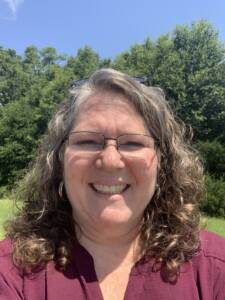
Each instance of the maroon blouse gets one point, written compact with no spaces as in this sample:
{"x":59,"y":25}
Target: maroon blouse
{"x":201,"y":278}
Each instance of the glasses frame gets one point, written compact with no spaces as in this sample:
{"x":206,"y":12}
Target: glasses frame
{"x":80,"y":82}
{"x":141,"y":80}
{"x":105,"y":139}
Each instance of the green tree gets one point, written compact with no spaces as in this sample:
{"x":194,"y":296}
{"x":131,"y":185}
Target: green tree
{"x":213,"y":155}
{"x":18,"y":139}
{"x":24,"y":120}
{"x":169,"y":72}
{"x":84,"y":63}
{"x":13,"y":80}
{"x":188,"y":64}
{"x":214,"y":202}
{"x":49,"y":56}
{"x":139,"y":60}
{"x":31,"y":60}
{"x":203,"y":57}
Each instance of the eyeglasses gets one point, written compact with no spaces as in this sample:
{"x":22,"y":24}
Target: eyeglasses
{"x":134,"y":145}
{"x":80,"y":82}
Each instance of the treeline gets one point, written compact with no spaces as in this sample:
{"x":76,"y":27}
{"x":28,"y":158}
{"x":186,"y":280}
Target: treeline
{"x":187,"y":63}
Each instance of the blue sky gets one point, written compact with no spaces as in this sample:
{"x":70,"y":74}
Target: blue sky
{"x":109,"y":27}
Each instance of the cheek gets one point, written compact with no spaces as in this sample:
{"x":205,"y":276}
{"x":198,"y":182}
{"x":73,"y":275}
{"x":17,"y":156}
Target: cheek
{"x":74,"y":169}
{"x":70,"y":165}
{"x":74,"y":178}
{"x":73,"y":162}
{"x":152,"y":163}
{"x":145,"y":170}
{"x":150,"y":174}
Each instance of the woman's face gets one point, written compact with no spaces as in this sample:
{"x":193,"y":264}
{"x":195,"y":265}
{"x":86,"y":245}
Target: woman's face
{"x":108,"y":188}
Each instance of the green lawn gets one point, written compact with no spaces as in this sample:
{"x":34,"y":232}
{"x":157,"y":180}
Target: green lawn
{"x":215,"y":225}
{"x":7,"y":208}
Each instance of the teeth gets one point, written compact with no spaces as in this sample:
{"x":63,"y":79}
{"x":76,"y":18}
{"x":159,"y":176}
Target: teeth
{"x":110,"y":189}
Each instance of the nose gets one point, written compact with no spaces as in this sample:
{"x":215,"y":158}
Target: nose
{"x":109,"y":158}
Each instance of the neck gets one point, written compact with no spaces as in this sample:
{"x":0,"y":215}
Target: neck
{"x":115,"y":247}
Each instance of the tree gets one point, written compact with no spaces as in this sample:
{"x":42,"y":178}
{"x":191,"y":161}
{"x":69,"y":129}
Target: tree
{"x":213,"y":156}
{"x":13,"y":80}
{"x":24,"y":120}
{"x":188,"y":64}
{"x":32,"y":60}
{"x":49,"y":56}
{"x":203,"y":56}
{"x":139,"y":60}
{"x":169,"y":72}
{"x":84,"y":63}
{"x":18,"y":140}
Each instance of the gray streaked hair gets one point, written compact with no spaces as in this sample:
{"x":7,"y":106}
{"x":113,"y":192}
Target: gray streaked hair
{"x":169,"y":231}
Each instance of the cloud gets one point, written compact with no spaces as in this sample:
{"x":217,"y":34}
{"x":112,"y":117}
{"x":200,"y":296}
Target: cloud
{"x":13,"y":5}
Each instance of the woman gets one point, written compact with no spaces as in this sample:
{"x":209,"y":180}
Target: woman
{"x":111,"y":205}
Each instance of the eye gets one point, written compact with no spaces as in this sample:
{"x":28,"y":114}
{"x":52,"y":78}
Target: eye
{"x":87,"y":142}
{"x":133,"y":144}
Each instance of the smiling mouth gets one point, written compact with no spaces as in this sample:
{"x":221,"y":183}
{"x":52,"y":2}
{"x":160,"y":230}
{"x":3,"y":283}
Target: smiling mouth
{"x":109,"y":189}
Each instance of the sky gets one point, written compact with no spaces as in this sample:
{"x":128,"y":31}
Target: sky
{"x":108,"y":26}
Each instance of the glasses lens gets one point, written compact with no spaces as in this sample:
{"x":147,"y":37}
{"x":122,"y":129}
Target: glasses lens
{"x":135,"y":144}
{"x":130,"y":145}
{"x":86,"y":141}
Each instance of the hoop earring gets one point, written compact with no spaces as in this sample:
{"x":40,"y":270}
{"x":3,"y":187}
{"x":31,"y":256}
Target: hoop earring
{"x":61,"y":190}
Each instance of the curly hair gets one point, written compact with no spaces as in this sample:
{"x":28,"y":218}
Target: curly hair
{"x":44,"y":230}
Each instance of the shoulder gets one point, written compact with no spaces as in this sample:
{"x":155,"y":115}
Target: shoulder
{"x":212,"y":245}
{"x":5,"y":247}
{"x":6,"y":262}
{"x":14,"y":285}
{"x":5,"y":254}
{"x":11,"y":281}
{"x":209,"y":266}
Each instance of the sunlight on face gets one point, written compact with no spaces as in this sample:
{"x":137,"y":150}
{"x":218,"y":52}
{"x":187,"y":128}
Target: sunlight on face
{"x":109,"y":189}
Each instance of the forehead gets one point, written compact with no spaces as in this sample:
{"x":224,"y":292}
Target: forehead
{"x":106,"y":100}
{"x":108,"y":106}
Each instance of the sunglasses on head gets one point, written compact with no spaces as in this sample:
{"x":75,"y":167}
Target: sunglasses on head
{"x":80,"y":82}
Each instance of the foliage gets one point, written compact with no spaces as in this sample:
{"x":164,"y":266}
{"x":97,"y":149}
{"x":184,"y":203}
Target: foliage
{"x":7,"y":210}
{"x":84,"y":63}
{"x":214,"y":203}
{"x":187,"y":63}
{"x":203,"y":57}
{"x":13,"y":80}
{"x":30,"y":90}
{"x":213,"y":224}
{"x":19,"y":135}
{"x":213,"y":154}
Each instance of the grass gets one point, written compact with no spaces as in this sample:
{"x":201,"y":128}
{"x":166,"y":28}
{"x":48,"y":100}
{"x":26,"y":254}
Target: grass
{"x":7,"y":209}
{"x":215,"y":225}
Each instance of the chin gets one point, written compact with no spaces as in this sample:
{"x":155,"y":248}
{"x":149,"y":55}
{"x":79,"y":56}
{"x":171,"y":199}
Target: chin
{"x":114,"y":217}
